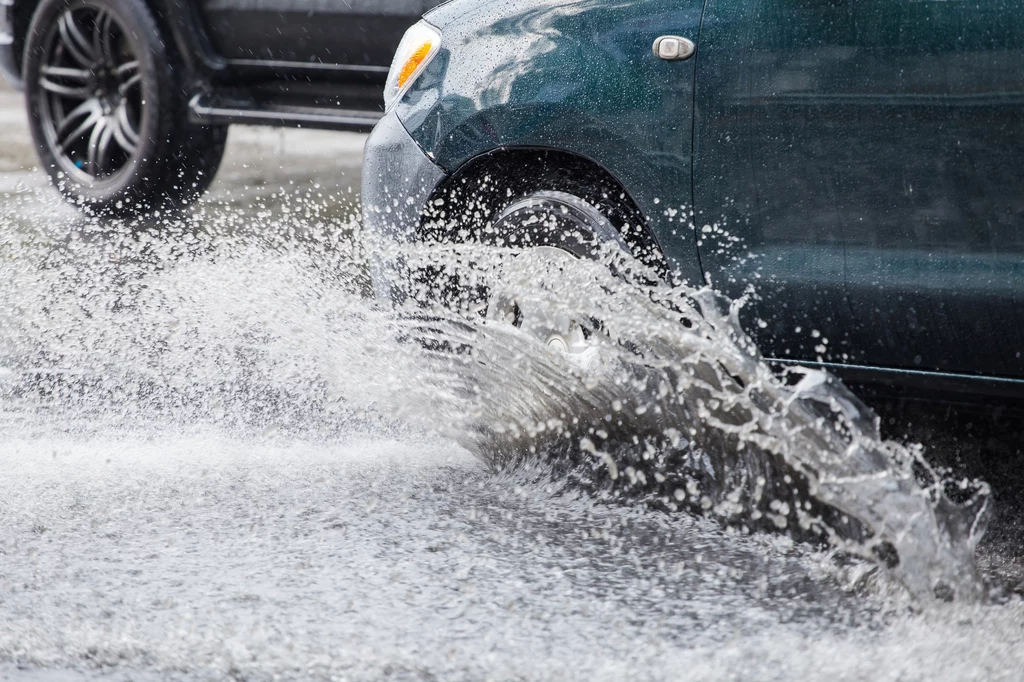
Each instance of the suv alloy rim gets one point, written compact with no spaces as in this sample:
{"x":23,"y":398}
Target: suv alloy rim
{"x":91,"y":95}
{"x":562,"y":332}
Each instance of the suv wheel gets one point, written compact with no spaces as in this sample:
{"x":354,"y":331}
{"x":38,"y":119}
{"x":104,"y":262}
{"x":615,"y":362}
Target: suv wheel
{"x":557,"y":227}
{"x":107,"y":108}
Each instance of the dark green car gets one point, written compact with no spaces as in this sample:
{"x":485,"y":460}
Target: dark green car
{"x":858,"y":163}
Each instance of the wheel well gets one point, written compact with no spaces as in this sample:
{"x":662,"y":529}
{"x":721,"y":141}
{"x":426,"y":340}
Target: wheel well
{"x":472,"y":197}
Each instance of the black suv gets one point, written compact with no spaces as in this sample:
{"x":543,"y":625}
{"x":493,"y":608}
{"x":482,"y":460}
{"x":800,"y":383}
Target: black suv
{"x":129,"y":100}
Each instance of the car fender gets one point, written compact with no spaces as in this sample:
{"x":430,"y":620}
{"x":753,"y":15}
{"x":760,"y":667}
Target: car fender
{"x":580,"y":77}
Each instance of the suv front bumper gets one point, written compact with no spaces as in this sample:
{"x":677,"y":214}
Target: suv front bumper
{"x":8,"y":60}
{"x":398,"y":181}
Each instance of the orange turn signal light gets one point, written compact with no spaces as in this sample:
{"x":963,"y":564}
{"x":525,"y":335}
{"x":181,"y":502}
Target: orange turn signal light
{"x":413,"y":63}
{"x":419,"y":45}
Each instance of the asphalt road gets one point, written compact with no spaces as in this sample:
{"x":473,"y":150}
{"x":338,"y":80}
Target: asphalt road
{"x":188,"y":490}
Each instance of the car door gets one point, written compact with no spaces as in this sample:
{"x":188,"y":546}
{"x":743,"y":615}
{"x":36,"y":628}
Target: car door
{"x":864,"y":159}
{"x":344,"y":32}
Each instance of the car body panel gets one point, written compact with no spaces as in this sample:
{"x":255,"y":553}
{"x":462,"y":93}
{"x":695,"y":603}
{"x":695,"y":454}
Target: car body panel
{"x":357,"y":32}
{"x":867,"y":152}
{"x":573,"y":76}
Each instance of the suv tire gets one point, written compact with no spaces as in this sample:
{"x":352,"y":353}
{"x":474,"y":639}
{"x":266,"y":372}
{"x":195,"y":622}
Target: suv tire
{"x":107,"y":112}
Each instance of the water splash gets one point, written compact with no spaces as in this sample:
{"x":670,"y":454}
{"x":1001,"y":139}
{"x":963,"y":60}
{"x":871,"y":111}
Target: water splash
{"x":680,"y":409}
{"x":263,"y":324}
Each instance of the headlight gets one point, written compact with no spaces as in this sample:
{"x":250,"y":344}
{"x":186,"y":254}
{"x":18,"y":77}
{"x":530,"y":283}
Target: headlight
{"x":418,"y":47}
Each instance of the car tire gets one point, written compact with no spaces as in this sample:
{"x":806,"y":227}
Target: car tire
{"x":557,"y":219}
{"x":107,"y":109}
{"x":524,"y":217}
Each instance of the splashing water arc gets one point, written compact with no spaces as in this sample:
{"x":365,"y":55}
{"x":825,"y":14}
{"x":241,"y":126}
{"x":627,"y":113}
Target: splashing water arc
{"x":681,"y":410}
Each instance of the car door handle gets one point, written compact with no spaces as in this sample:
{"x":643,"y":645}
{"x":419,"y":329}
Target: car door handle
{"x":673,"y":48}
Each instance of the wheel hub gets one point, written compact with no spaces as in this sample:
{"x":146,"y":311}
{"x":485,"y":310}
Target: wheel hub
{"x":559,"y":330}
{"x":557,"y":343}
{"x":105,"y":87}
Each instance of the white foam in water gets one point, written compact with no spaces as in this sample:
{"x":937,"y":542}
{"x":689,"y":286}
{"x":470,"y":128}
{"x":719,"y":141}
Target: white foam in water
{"x":219,"y":459}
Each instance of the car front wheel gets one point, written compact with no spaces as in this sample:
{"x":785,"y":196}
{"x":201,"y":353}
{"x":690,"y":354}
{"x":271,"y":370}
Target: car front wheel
{"x":107,"y":108}
{"x":557,"y":227}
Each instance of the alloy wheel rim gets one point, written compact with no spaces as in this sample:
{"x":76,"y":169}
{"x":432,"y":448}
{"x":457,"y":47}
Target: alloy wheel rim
{"x":562,"y":332}
{"x":91,"y":95}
